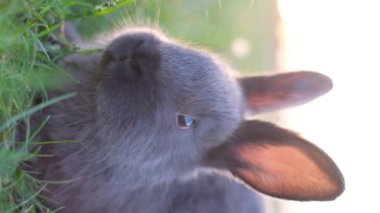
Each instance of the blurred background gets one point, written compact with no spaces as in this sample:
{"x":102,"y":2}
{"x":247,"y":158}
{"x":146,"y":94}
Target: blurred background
{"x":340,"y":38}
{"x":244,"y":32}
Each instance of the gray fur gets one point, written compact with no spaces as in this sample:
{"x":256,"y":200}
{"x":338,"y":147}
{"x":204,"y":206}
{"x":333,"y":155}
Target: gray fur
{"x":130,"y":155}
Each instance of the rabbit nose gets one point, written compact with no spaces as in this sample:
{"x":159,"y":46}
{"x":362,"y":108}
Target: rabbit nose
{"x":124,"y":65}
{"x":107,"y":58}
{"x":132,"y":56}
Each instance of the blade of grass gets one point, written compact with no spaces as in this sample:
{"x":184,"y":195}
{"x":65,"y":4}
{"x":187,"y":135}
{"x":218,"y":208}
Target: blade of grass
{"x":48,"y":30}
{"x":101,"y":10}
{"x":26,"y":201}
{"x":53,"y":142}
{"x":34,"y":109}
{"x":39,"y":128}
{"x":49,"y":142}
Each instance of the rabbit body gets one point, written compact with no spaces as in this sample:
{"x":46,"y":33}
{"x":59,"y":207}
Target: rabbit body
{"x":133,"y":153}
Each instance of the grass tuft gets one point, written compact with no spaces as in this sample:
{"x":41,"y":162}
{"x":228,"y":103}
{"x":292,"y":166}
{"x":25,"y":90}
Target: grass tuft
{"x":31,"y":44}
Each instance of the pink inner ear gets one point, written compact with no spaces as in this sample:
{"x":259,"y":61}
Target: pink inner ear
{"x":285,"y":171}
{"x":278,"y":99}
{"x":269,"y":93}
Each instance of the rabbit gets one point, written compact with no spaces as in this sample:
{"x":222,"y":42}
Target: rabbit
{"x":161,"y":126}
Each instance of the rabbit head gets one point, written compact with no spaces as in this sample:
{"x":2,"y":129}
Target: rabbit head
{"x":165,"y":102}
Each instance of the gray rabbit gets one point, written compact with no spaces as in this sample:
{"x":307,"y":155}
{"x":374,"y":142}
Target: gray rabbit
{"x":160,"y":127}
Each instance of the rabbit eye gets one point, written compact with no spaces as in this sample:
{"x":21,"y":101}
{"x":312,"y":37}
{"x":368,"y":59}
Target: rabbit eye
{"x":185,"y":121}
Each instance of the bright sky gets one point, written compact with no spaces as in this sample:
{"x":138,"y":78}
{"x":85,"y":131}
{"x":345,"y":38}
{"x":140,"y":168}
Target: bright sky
{"x":340,"y":38}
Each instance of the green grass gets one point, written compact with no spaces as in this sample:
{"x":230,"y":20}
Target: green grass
{"x":28,"y":61}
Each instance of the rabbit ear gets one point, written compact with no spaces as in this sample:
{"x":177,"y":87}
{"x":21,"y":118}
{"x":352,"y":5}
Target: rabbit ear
{"x":278,"y":163}
{"x":270,"y":93}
